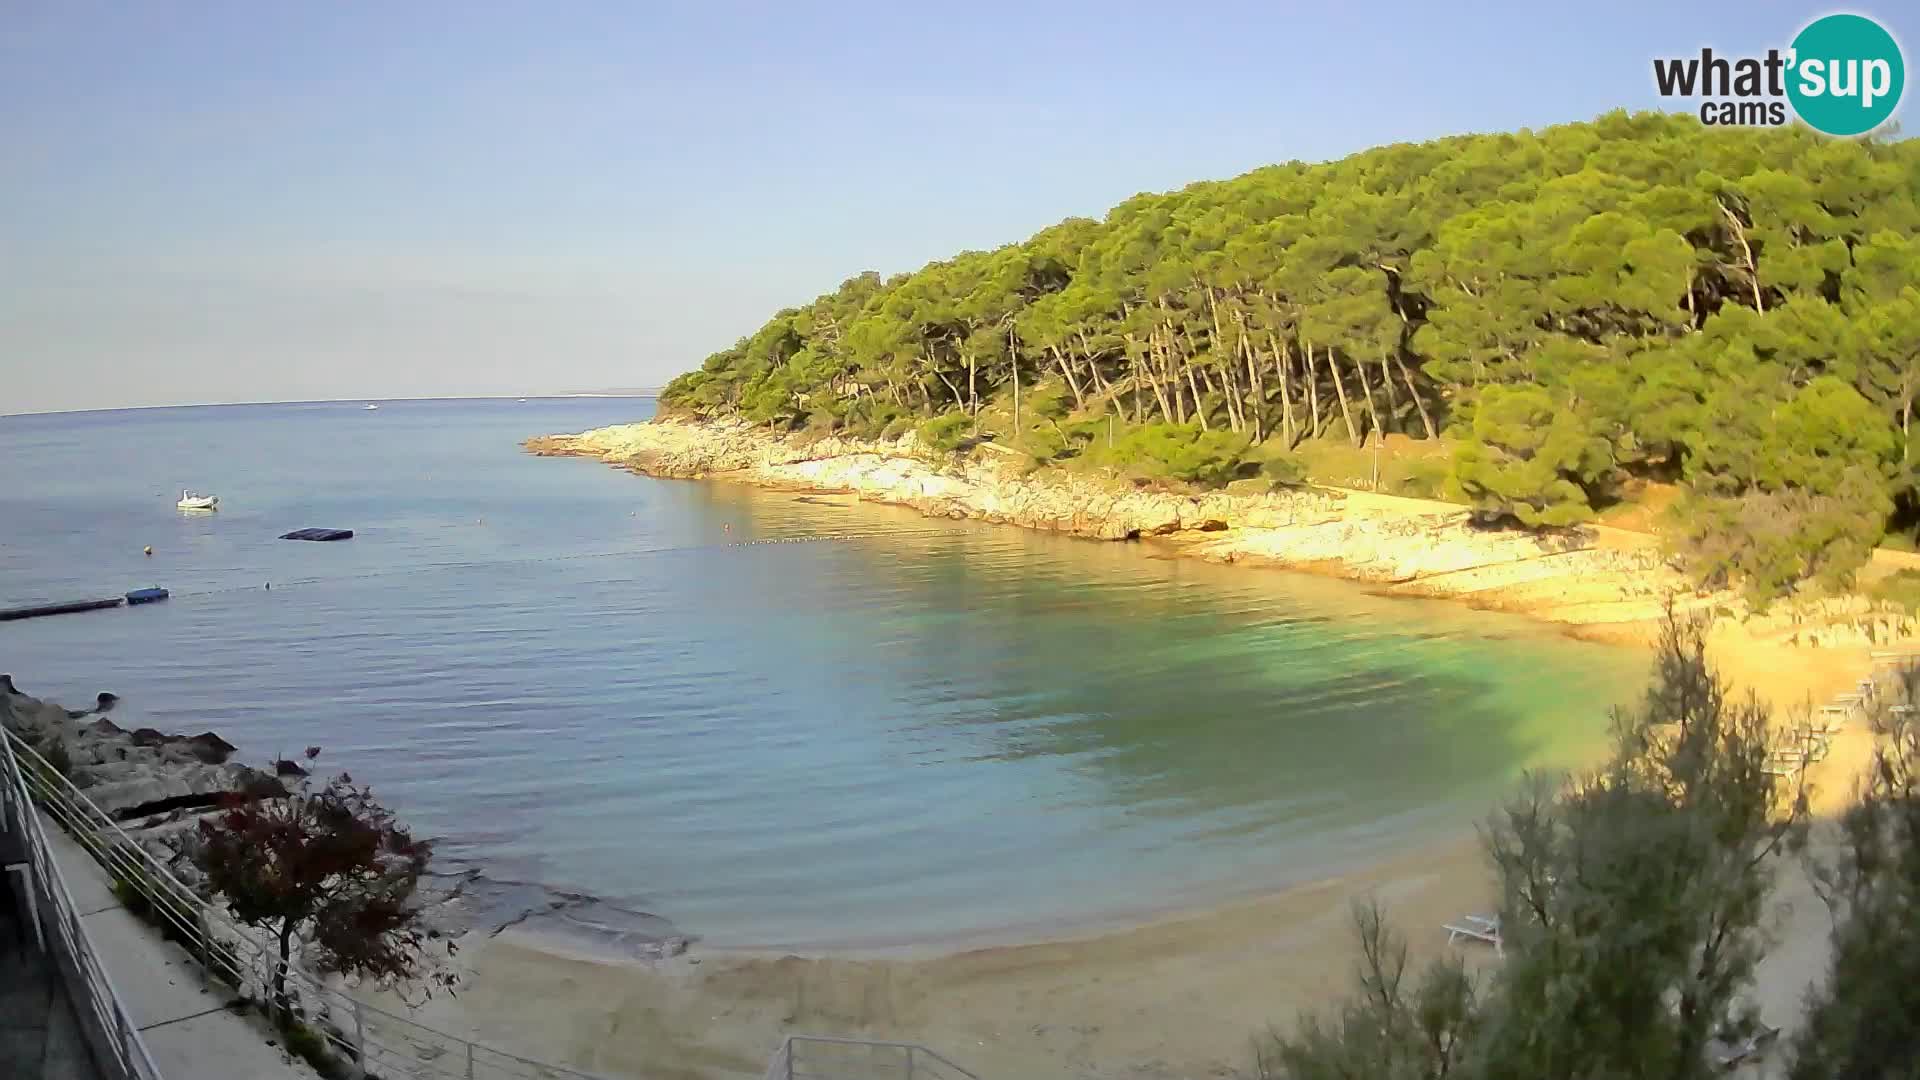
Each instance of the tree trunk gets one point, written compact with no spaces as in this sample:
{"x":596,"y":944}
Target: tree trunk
{"x":1286,"y":392}
{"x":959,"y":399}
{"x":1386,"y":378}
{"x":1199,"y":407}
{"x":1426,"y":421}
{"x":1313,"y":392}
{"x":1258,"y":389}
{"x":1226,"y":390}
{"x":1746,"y":249}
{"x":1366,"y":387}
{"x":1066,"y":371}
{"x":1340,"y":388}
{"x":1171,"y":373}
{"x":1230,"y":391}
{"x":282,"y":1005}
{"x":973,"y":394}
{"x":1906,"y":413}
{"x":1100,"y":383}
{"x":1016,"y":400}
{"x":1145,"y":363}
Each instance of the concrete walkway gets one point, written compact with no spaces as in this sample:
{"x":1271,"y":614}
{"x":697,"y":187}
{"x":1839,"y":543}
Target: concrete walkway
{"x":39,"y":1036}
{"x":185,"y":1019}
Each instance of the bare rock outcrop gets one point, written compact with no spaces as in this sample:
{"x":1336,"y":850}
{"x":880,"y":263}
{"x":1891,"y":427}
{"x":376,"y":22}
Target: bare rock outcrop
{"x":1410,"y":545}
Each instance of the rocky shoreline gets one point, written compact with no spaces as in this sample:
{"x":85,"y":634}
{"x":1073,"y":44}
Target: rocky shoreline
{"x":1407,"y":546}
{"x":1595,"y":581}
{"x":156,"y":786}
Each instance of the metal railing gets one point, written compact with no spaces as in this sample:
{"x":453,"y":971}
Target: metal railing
{"x":375,"y":1041}
{"x":113,"y":1039}
{"x":821,"y":1057}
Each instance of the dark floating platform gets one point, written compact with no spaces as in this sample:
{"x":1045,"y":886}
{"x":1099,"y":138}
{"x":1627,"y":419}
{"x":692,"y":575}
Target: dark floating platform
{"x":34,"y":611}
{"x":37,"y":610}
{"x":318,"y":534}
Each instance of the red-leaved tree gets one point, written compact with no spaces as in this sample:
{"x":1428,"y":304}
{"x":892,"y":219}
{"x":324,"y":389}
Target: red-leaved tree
{"x":326,"y":865}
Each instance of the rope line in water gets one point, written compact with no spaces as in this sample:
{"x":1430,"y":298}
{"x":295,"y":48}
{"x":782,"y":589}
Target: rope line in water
{"x":530,"y":560}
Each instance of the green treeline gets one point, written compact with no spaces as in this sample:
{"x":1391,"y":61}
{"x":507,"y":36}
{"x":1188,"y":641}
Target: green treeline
{"x":1572,"y":310}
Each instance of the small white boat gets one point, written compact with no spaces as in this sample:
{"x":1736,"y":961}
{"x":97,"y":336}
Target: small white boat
{"x":191,"y":501}
{"x":371,"y":407}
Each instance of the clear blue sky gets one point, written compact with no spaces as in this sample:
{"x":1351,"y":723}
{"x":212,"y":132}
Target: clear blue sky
{"x":204,"y":201}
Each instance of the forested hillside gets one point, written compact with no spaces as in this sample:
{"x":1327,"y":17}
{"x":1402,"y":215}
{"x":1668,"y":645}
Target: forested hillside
{"x":1573,"y":310}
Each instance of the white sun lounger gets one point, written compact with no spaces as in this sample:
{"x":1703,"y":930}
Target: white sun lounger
{"x":1478,"y":928}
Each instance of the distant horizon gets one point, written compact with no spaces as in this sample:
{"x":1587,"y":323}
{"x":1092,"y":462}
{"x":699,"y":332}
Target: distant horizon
{"x":296,"y":202}
{"x":640,"y":393}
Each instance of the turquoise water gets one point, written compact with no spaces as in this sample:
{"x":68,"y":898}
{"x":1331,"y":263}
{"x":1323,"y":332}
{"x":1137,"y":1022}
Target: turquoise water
{"x":890,"y":730}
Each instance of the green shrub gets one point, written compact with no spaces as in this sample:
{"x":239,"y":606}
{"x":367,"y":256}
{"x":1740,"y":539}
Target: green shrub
{"x":1902,"y":589}
{"x":947,"y":431}
{"x":1773,"y":544}
{"x":1048,"y":401}
{"x":131,"y":898}
{"x":1528,"y":458}
{"x":1425,"y":478}
{"x":1180,"y":452}
{"x":55,"y":751}
{"x":870,"y":418}
{"x":1283,"y":468}
{"x":897,"y":427}
{"x":313,"y":1048}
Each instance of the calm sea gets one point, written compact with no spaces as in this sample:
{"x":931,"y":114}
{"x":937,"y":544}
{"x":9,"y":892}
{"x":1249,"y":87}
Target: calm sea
{"x":886,"y":729}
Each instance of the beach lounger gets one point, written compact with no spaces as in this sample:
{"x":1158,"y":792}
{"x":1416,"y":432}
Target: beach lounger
{"x":1477,"y":928}
{"x":1821,"y":728}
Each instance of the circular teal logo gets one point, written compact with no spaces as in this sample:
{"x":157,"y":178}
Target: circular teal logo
{"x":1846,"y":74}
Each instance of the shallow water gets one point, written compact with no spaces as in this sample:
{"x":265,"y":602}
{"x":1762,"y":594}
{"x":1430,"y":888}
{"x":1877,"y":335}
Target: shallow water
{"x":888,"y":730}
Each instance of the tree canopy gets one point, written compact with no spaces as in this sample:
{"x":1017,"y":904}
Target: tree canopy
{"x":1737,"y":309}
